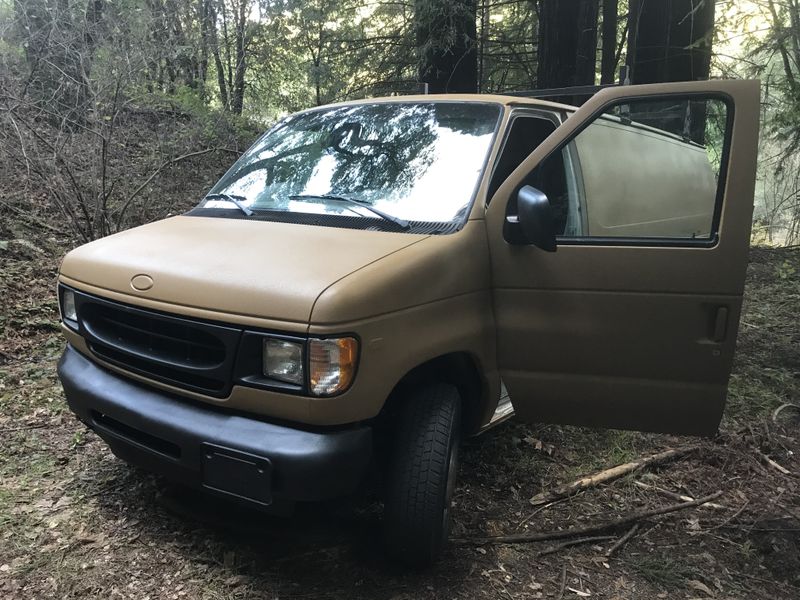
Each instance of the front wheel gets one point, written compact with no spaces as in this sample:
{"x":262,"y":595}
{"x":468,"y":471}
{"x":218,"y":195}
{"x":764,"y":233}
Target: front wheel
{"x":422,"y":475}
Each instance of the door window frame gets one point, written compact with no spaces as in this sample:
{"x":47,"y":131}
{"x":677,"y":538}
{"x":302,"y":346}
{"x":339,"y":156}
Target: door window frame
{"x":555,"y":116}
{"x":713,"y":238}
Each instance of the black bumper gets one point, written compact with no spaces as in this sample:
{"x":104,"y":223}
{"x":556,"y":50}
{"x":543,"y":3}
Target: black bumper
{"x":261,"y":463}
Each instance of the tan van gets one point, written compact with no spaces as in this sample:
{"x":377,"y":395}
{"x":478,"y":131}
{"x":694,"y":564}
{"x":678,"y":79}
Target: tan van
{"x":374,"y":280}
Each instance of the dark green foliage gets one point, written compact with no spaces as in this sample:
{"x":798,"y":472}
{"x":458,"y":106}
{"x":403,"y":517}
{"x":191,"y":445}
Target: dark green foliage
{"x":447,"y":45}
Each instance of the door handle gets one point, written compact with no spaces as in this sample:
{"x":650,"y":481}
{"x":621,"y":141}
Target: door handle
{"x":720,"y":326}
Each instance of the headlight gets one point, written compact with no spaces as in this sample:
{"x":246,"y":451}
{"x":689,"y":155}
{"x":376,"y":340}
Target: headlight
{"x":68,"y":310}
{"x":331,"y":365}
{"x":283,"y":360}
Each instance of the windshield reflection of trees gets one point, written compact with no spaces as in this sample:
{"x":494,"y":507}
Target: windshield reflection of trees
{"x":377,"y":151}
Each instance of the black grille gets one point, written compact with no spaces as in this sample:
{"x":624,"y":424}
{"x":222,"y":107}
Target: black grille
{"x":191,"y":354}
{"x":165,"y":341}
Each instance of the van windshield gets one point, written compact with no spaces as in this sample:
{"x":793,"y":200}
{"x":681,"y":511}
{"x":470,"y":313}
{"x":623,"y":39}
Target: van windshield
{"x":412,"y":161}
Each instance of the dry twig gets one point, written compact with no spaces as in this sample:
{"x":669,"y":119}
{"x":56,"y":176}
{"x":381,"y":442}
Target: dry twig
{"x":563,"y":582}
{"x":623,"y":540}
{"x":524,"y":538}
{"x":575,"y":487}
{"x":783,"y":407}
{"x":675,"y":496}
{"x":732,"y":517}
{"x":27,"y":427}
{"x":537,"y":511}
{"x":768,"y":461}
{"x":583,"y":540}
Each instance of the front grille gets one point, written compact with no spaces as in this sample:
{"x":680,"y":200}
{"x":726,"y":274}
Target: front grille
{"x":191,"y":354}
{"x":162,"y":340}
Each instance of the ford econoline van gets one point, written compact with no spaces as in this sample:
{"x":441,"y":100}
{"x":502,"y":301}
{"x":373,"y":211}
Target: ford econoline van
{"x":373,"y":281}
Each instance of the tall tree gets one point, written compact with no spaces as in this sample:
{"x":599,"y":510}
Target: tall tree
{"x":242,"y":10}
{"x":608,"y":62}
{"x":446,"y":42}
{"x":567,"y":43}
{"x":779,"y":69}
{"x":670,"y":40}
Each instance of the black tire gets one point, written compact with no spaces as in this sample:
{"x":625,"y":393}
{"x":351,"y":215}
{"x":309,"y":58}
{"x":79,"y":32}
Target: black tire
{"x":421,"y":476}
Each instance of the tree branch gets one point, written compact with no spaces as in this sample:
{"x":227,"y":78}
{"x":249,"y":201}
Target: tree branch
{"x":524,"y":538}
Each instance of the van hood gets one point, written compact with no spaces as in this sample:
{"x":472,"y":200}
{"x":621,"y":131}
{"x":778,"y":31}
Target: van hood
{"x":253,"y":268}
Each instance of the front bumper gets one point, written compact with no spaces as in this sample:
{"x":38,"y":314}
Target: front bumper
{"x":261,"y":463}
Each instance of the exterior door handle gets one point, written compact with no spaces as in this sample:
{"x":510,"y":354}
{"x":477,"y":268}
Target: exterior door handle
{"x":720,"y":324}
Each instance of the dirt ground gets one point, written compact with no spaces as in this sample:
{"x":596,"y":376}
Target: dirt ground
{"x":77,"y":523}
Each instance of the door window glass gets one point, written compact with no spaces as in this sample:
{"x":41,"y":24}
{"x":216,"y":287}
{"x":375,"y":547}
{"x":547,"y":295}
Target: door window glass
{"x":525,"y":134}
{"x":643,"y":169}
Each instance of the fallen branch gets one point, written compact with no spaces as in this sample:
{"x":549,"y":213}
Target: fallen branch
{"x":537,"y":511}
{"x":29,"y":217}
{"x":623,"y":540}
{"x":675,"y":496}
{"x":732,"y":517}
{"x":768,"y":461}
{"x":583,"y":540}
{"x":563,"y":582}
{"x":575,"y":487}
{"x":524,"y":538}
{"x":783,"y":407}
{"x":27,"y":427}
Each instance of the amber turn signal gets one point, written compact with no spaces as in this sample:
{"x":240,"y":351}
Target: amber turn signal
{"x":331,"y":365}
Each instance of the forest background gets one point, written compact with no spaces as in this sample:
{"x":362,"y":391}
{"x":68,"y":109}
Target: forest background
{"x":102,"y":99}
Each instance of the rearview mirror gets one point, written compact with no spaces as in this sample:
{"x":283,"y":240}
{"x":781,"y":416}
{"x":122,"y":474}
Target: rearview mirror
{"x":533,"y":223}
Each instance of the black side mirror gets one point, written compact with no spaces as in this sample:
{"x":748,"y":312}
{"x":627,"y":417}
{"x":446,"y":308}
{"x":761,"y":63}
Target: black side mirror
{"x":533,"y":221}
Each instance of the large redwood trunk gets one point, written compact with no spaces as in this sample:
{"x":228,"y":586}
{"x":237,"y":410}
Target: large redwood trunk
{"x":567,"y":43}
{"x":670,"y":40}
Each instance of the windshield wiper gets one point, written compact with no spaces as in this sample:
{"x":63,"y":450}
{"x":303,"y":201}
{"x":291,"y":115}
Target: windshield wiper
{"x":233,"y":198}
{"x":402,"y":223}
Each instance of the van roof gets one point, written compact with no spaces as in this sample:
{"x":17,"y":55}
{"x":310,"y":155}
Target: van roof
{"x":494,"y":98}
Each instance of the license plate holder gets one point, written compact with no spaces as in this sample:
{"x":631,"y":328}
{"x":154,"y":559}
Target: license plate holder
{"x":236,"y":473}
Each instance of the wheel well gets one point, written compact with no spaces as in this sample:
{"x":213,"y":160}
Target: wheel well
{"x":459,"y":369}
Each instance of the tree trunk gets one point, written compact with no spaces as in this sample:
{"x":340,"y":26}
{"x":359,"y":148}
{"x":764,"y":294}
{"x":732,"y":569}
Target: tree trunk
{"x":586,"y":55}
{"x":204,"y":10}
{"x":608,"y":63}
{"x":237,"y":95}
{"x":446,"y":41}
{"x":226,"y":46}
{"x":670,"y":40}
{"x":93,"y":18}
{"x":567,"y":43}
{"x":220,"y":67}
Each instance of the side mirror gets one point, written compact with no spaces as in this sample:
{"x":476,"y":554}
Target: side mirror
{"x":533,"y":223}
